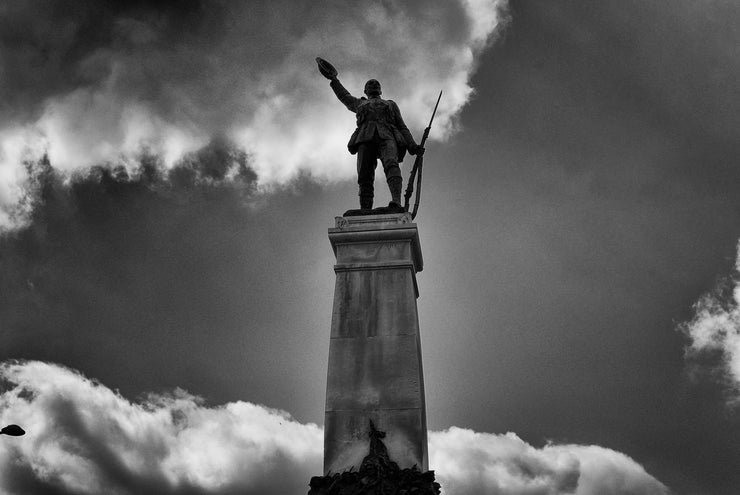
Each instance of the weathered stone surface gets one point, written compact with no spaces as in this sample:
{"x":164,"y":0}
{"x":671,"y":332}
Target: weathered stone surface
{"x":375,"y":369}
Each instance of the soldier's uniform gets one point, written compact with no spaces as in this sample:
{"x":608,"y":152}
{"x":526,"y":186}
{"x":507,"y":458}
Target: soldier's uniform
{"x":381,"y":133}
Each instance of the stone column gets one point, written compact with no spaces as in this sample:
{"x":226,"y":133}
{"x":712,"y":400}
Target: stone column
{"x":375,"y":370}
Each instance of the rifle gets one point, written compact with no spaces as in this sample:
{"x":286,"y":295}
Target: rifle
{"x":417,"y":168}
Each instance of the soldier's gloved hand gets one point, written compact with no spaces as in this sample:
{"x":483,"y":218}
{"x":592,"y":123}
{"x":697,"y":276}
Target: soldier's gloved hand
{"x":415,"y":149}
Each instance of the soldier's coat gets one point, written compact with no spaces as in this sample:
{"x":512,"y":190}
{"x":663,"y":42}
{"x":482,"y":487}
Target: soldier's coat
{"x":376,"y":119}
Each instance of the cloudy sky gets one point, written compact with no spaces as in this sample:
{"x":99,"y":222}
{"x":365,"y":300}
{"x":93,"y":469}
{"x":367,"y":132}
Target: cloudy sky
{"x":168,"y":172}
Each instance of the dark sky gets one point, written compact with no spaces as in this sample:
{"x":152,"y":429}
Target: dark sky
{"x":582,"y":202}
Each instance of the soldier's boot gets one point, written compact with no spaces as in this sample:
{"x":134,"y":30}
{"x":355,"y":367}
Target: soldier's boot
{"x":395,"y":184}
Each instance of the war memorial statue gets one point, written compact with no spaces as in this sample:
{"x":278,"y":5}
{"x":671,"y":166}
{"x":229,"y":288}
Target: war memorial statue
{"x":375,"y":430}
{"x":380,"y":134}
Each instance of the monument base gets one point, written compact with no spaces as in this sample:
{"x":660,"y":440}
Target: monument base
{"x":375,"y":371}
{"x":378,"y":475}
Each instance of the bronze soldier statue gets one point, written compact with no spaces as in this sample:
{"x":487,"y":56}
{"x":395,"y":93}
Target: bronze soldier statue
{"x":381,"y":133}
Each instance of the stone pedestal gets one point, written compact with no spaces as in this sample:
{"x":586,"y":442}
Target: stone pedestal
{"x":375,"y":370}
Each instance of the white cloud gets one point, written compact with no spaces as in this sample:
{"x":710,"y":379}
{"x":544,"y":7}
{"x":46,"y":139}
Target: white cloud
{"x":246,"y":73}
{"x":715,"y":328}
{"x":93,"y":126}
{"x":471,"y":463}
{"x":83,"y":438}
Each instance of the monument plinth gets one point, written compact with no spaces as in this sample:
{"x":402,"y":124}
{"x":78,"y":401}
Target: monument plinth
{"x":375,"y":369}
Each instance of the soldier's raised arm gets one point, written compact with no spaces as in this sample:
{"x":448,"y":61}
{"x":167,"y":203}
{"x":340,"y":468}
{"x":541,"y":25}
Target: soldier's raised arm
{"x":328,"y":71}
{"x":347,"y":99}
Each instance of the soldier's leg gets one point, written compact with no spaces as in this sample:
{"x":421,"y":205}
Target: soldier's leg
{"x":389,"y":157}
{"x":367,"y":157}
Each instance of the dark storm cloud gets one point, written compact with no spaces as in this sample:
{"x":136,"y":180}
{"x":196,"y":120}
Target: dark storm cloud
{"x":122,"y":266}
{"x":52,"y":48}
{"x":202,"y":61}
{"x":83,"y":438}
